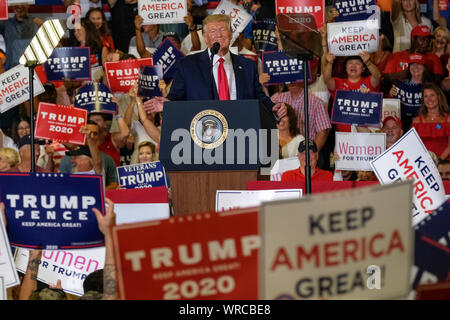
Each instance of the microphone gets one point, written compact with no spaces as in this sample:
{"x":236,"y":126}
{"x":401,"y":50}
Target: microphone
{"x":215,"y":48}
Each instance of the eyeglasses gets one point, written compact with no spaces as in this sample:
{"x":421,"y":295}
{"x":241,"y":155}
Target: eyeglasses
{"x":22,"y":128}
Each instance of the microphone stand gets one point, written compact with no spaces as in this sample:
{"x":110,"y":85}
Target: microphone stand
{"x":214,"y":50}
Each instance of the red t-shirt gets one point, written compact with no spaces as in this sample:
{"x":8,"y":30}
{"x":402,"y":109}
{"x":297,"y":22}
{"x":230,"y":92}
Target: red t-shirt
{"x":345,"y":84}
{"x":399,"y":62}
{"x":108,"y":147}
{"x":297,"y":175}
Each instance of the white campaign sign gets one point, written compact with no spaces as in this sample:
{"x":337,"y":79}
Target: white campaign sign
{"x":409,"y":159}
{"x":71,"y":267}
{"x":391,"y":108}
{"x":352,"y":244}
{"x":356,"y":150}
{"x":239,"y":17}
{"x":236,"y":199}
{"x":162,"y":11}
{"x":283,"y":165}
{"x":7,"y":269}
{"x":14,"y":88}
{"x":3,"y":295}
{"x":16,"y":2}
{"x":351,"y":37}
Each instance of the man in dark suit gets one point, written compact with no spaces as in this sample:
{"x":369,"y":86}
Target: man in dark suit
{"x":235,"y":77}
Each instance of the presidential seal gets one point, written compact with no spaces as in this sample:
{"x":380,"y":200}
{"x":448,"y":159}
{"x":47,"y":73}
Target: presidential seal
{"x":209,"y":129}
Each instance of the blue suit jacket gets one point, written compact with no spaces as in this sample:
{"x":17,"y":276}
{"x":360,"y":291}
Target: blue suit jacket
{"x":192,"y":80}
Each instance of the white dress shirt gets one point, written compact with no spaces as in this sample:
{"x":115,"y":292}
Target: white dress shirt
{"x":228,"y":66}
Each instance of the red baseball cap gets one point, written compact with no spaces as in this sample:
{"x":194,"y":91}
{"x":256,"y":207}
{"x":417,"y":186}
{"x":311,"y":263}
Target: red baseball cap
{"x":421,"y":31}
{"x":396,"y":119}
{"x":417,"y":58}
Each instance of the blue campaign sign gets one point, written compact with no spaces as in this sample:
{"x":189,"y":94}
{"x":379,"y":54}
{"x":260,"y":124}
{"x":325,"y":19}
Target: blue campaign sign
{"x":149,"y":77}
{"x":167,"y":56}
{"x":354,"y":10}
{"x":282,"y":68}
{"x":410,"y":96}
{"x":57,"y":216}
{"x":142,"y":175}
{"x":357,"y":108}
{"x":69,"y":62}
{"x":264,"y":35}
{"x":95,"y":97}
{"x":436,"y":225}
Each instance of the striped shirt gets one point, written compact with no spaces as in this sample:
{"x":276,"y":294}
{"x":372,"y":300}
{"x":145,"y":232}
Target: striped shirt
{"x":318,"y":116}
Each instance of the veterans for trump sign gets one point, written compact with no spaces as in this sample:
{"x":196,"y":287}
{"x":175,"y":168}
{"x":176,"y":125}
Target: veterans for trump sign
{"x":123,"y":74}
{"x":162,"y":11}
{"x":282,"y":68}
{"x":167,"y":56}
{"x":350,"y":38}
{"x":15,"y":87}
{"x":60,"y":123}
{"x":213,"y":256}
{"x":356,"y":150}
{"x":68,"y":62}
{"x":70,"y":266}
{"x":352,"y":244}
{"x":408,"y":159}
{"x":357,"y":108}
{"x":142,"y":175}
{"x":58,"y":216}
{"x":314,"y":7}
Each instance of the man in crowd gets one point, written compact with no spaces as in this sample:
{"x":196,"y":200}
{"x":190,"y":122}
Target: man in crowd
{"x":444,"y":169}
{"x":235,"y":77}
{"x":298,"y":174}
{"x":392,"y":126}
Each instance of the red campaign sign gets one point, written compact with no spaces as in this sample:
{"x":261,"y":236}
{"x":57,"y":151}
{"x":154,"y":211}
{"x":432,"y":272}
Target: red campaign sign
{"x":314,"y":7}
{"x":3,"y":10}
{"x":60,"y":123}
{"x":199,"y":256}
{"x":121,"y":75}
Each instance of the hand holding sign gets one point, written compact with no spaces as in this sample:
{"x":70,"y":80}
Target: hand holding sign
{"x":107,"y":221}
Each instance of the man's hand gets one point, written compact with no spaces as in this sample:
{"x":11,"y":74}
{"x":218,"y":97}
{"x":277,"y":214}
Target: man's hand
{"x":155,"y":104}
{"x":189,"y":20}
{"x":264,"y":78}
{"x":107,"y":221}
{"x":365,"y":56}
{"x":91,"y":131}
{"x":137,"y":22}
{"x":280,"y":110}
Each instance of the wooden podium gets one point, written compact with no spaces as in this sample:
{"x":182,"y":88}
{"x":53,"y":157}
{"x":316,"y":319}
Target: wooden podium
{"x":194,"y":179}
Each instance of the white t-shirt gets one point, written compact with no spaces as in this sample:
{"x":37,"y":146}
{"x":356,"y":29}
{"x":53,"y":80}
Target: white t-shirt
{"x":402,"y":32}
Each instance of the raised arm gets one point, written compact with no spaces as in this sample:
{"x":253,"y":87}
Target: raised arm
{"x":29,"y":283}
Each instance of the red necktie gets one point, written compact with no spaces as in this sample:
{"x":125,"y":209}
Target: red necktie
{"x":224,"y":92}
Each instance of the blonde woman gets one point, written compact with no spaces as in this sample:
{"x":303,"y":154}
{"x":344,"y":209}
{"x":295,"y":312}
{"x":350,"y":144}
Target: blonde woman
{"x":9,"y":158}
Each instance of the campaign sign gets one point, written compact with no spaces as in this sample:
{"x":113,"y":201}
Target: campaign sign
{"x":408,"y":159}
{"x":351,"y":38}
{"x":69,"y":62}
{"x":57,"y":216}
{"x":236,"y":199}
{"x":410,"y":96}
{"x":357,"y":108}
{"x":14,"y":87}
{"x":95,"y":97}
{"x":162,"y":11}
{"x":142,"y":175}
{"x":60,"y":123}
{"x":212,"y":256}
{"x":138,"y":205}
{"x":352,"y":244}
{"x":356,"y":150}
{"x":7,"y":269}
{"x":354,"y":10}
{"x":282,"y":68}
{"x":123,"y":74}
{"x":391,"y":108}
{"x":149,"y":77}
{"x":3,"y":10}
{"x":3,"y":295}
{"x":239,"y":17}
{"x":283,"y":165}
{"x":314,"y":7}
{"x":167,"y":56}
{"x":264,"y":36}
{"x":70,"y":266}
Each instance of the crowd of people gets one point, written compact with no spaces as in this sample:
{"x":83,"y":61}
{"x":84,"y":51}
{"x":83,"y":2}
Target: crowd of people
{"x":413,"y":49}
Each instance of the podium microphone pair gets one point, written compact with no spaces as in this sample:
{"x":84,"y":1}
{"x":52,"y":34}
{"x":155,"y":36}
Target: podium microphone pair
{"x":214,"y":49}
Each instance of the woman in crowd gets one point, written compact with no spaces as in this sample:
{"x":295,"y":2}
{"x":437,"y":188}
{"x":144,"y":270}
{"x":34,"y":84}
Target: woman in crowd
{"x":146,"y":152}
{"x":288,"y":134}
{"x":440,"y":42}
{"x":20,"y":128}
{"x":97,"y":17}
{"x":88,"y":36}
{"x":8,"y":158}
{"x":433,"y":122}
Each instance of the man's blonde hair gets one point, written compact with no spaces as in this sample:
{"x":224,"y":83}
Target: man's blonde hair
{"x":217,"y":18}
